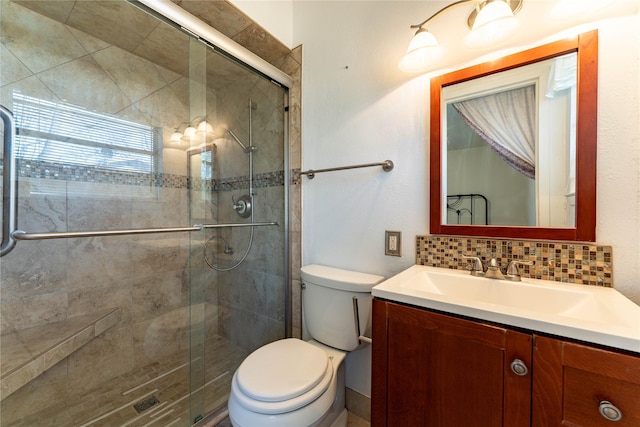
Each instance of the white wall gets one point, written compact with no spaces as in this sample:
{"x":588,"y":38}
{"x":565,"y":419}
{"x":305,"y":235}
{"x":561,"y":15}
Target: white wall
{"x":359,"y":108}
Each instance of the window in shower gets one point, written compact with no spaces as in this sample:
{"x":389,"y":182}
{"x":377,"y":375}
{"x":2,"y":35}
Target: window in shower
{"x":63,"y":141}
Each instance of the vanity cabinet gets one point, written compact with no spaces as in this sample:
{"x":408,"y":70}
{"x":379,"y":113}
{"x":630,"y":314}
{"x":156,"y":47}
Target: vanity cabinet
{"x":432,"y":369}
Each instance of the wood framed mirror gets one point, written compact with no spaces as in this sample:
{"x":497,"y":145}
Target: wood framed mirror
{"x":582,"y":226}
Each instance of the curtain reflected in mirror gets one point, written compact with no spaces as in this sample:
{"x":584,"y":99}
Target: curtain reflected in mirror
{"x":510,"y":147}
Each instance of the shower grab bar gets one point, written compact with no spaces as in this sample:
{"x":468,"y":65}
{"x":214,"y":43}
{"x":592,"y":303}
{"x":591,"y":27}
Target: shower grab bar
{"x":387,"y":166}
{"x":22,"y":235}
{"x":9,"y":189}
{"x":236,"y":225}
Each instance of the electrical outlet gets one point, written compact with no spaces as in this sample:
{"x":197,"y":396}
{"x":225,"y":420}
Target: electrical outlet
{"x":392,"y":243}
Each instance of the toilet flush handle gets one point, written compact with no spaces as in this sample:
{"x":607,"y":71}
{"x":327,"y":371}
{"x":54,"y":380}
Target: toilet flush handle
{"x":356,"y":321}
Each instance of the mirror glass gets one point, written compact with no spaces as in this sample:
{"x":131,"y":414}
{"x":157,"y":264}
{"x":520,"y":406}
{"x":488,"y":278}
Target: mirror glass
{"x":513,"y":145}
{"x":510,"y":147}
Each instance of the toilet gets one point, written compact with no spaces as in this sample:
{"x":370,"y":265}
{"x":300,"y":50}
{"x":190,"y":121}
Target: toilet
{"x":295,"y":383}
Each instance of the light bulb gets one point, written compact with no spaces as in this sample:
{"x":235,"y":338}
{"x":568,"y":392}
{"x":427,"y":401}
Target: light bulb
{"x":422,"y":53}
{"x":422,"y":39}
{"x":176,"y":137}
{"x":205,"y":127}
{"x":189,"y":132}
{"x":494,"y":23}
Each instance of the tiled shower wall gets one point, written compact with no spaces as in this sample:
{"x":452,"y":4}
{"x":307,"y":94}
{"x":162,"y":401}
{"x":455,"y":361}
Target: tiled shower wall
{"x":567,"y":262}
{"x":147,"y":277}
{"x":227,"y":19}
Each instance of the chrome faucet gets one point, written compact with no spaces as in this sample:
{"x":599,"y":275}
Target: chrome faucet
{"x":493,"y":270}
{"x":476,"y":268}
{"x":512,"y":270}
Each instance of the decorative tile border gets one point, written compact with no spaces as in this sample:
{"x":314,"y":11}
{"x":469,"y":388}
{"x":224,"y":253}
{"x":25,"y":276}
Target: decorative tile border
{"x":569,"y":262}
{"x":268,"y":179}
{"x":75,"y":173}
{"x":66,"y":172}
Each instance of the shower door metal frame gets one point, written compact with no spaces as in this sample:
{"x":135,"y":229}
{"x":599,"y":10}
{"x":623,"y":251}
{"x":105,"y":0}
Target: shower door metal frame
{"x":180,"y":18}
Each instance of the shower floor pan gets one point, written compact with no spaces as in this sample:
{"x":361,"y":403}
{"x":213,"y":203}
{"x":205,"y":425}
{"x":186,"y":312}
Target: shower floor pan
{"x":164,"y":383}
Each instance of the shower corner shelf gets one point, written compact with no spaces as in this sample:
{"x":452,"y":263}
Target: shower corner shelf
{"x":29,"y":353}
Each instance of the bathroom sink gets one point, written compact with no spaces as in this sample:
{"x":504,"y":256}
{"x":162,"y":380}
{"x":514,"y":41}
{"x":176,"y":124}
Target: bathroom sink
{"x":589,"y":313}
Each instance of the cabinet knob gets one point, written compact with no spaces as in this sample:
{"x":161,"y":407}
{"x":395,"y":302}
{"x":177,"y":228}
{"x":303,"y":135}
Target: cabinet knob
{"x":609,"y":411}
{"x":519,"y":368}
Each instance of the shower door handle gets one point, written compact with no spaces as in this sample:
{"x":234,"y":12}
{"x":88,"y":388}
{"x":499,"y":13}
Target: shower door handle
{"x":9,"y":189}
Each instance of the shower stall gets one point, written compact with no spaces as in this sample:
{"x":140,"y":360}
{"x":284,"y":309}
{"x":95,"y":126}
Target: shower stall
{"x":145,"y":225}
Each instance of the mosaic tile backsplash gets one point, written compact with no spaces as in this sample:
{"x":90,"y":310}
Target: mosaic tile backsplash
{"x":568,"y":262}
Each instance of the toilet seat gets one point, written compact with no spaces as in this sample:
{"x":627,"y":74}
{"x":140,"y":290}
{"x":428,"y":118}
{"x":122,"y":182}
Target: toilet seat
{"x":282,"y":376}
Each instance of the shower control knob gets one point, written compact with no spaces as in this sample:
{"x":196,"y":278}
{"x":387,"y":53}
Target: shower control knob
{"x":243,"y":205}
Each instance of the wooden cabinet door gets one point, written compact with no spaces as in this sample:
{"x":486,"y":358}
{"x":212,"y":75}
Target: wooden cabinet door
{"x":434,"y":370}
{"x":571,"y":381}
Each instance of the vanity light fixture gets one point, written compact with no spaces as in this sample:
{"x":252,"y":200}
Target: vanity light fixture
{"x":197,"y":127}
{"x":176,"y":136}
{"x":489,"y":22}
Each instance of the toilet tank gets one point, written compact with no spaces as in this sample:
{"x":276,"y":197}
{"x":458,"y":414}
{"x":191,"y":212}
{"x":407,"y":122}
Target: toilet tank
{"x":327,"y":304}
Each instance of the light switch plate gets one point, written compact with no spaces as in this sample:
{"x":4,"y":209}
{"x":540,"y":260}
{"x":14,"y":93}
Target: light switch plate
{"x":393,"y":243}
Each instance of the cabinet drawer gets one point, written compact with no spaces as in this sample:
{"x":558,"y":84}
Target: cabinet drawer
{"x":572,"y":382}
{"x":584,"y":391}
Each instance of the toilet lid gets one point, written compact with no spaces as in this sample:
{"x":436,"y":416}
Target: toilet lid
{"x":282,"y":370}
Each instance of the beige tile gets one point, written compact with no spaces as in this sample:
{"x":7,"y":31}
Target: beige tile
{"x":153,"y":109}
{"x":167,"y":47}
{"x":31,"y":86}
{"x":98,"y":259}
{"x":221,"y":15}
{"x":180,"y":88}
{"x":72,"y":81}
{"x":28,"y":311}
{"x":38,"y":42}
{"x":90,"y":43}
{"x":154,"y":295}
{"x":14,"y":353}
{"x":57,"y":10}
{"x":358,"y":404}
{"x":62,"y":350}
{"x":99,"y":295}
{"x":104,"y":358}
{"x":161,"y":337}
{"x":28,"y":353}
{"x":356,"y":421}
{"x":117,"y":23}
{"x":32,"y":270}
{"x":107,"y":322}
{"x":136,"y":77}
{"x":20,"y":377}
{"x":261,"y":43}
{"x":46,"y":390}
{"x":12,"y":69}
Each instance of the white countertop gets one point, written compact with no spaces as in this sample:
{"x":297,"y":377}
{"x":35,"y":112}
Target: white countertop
{"x":592,"y":314}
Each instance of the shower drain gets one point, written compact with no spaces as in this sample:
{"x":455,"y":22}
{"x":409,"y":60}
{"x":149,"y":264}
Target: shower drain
{"x":145,"y":404}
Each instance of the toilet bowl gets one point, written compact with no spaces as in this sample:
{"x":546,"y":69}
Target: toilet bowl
{"x":295,"y":383}
{"x":289,"y":383}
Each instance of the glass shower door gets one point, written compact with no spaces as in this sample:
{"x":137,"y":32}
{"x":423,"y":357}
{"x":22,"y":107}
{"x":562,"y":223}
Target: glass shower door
{"x":236,"y":169}
{"x":95,"y":330}
{"x":126,"y":123}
